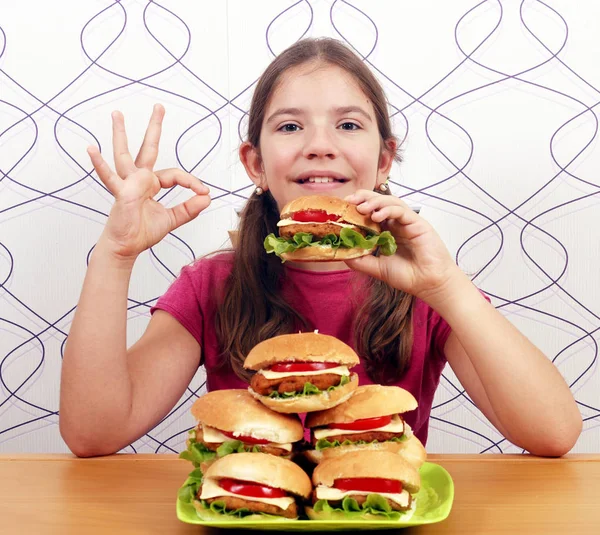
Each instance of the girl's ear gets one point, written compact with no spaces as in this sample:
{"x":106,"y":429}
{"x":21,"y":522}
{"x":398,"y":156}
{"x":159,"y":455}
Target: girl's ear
{"x":386,"y":160}
{"x":250,"y":157}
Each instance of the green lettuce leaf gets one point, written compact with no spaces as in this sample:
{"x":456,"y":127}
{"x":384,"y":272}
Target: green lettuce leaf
{"x":188,"y":492}
{"x":196,"y":452}
{"x":348,"y":238}
{"x":308,"y":390}
{"x":323,"y":443}
{"x":375,"y":504}
{"x":235,"y":446}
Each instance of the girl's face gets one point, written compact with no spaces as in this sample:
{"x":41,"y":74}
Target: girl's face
{"x":319,"y":136}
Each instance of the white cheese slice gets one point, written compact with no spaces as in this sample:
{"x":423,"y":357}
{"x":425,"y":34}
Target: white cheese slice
{"x":338,"y":370}
{"x":213,"y":435}
{"x":211,"y":489}
{"x":395,"y":426}
{"x":286,"y":222}
{"x":329,"y":493}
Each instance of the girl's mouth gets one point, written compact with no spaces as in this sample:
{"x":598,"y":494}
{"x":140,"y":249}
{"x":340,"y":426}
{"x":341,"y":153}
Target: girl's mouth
{"x":322,"y":180}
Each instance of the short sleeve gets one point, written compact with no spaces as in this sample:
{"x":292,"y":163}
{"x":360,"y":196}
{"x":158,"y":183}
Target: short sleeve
{"x":441,"y":330}
{"x":181,"y":301}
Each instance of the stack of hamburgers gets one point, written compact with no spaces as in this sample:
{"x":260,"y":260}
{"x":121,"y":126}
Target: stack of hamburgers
{"x":366,"y":456}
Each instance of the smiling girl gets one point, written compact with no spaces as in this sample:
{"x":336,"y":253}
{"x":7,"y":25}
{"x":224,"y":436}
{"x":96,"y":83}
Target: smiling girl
{"x":318,"y":124}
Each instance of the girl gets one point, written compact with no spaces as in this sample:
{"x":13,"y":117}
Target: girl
{"x":318,"y":124}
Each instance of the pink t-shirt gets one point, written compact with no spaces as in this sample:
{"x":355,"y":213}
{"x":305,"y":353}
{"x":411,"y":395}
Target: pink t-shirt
{"x":192,"y":300}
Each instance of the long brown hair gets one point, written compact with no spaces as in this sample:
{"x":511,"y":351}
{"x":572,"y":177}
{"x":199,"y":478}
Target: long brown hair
{"x":252,"y":308}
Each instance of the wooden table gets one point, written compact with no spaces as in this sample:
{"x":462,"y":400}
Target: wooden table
{"x":131,"y":494}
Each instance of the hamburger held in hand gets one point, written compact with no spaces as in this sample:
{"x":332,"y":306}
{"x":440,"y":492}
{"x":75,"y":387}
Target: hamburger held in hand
{"x":302,"y":372}
{"x":232,"y":421}
{"x":318,"y":228}
{"x":252,"y":486}
{"x":364,"y":485}
{"x":372,"y":419}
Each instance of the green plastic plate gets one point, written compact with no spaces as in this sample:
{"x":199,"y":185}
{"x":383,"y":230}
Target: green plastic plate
{"x":434,"y":502}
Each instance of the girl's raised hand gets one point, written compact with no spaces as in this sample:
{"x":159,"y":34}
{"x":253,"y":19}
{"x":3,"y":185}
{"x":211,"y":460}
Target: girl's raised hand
{"x":136,"y":221}
{"x":422,"y":264}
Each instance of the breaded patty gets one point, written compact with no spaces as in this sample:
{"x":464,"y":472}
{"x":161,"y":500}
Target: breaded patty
{"x":292,"y":383}
{"x":316,"y":229}
{"x":233,"y":503}
{"x":360,"y":499}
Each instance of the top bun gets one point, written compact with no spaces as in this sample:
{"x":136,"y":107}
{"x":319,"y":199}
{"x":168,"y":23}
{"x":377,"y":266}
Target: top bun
{"x":331,"y":205}
{"x":368,"y":401}
{"x":262,"y":468}
{"x":303,"y":347}
{"x":367,"y":463}
{"x":238,"y":411}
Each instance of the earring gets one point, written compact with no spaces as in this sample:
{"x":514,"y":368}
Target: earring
{"x":383,"y":187}
{"x":259,"y":191}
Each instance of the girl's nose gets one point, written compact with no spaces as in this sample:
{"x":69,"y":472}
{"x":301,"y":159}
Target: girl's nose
{"x":319,"y":143}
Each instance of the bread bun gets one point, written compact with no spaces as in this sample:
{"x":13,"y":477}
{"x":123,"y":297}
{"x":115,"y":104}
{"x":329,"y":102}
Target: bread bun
{"x":368,"y":401}
{"x":303,"y":347}
{"x":238,"y":411}
{"x":332,"y":205}
{"x":325,"y":253}
{"x":312,"y":402}
{"x":262,"y":468}
{"x":366,"y":463}
{"x":411,"y":450}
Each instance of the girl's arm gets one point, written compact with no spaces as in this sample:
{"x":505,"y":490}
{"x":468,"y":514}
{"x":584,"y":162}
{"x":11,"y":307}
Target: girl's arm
{"x":109,"y":396}
{"x":510,"y":380}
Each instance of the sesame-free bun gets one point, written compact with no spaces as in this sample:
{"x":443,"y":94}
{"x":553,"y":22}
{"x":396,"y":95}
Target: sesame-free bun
{"x":238,"y":411}
{"x":368,"y":401}
{"x":262,"y":468}
{"x":325,"y":253}
{"x":332,"y":205}
{"x":302,"y":347}
{"x":411,"y":450}
{"x":377,"y":464}
{"x":312,"y":402}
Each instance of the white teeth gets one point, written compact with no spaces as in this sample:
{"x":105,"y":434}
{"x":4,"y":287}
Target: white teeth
{"x":320,"y":179}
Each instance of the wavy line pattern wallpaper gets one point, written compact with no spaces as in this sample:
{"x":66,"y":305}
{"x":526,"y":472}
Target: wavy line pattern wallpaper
{"x":496,"y":103}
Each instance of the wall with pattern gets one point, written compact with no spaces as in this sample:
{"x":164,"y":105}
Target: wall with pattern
{"x":496,"y":102}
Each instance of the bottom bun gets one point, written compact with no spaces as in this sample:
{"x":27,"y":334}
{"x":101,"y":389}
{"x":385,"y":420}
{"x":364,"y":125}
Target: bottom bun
{"x":210,"y":516}
{"x":325,"y":253}
{"x":411,"y":450}
{"x":340,"y":515}
{"x":310,"y":403}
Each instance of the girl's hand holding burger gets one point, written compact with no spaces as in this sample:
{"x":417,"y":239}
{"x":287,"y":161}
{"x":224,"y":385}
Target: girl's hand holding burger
{"x":422,"y":265}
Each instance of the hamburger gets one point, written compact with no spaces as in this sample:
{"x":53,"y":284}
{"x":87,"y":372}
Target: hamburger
{"x":232,"y":421}
{"x":303,"y":372}
{"x":372,"y":419}
{"x":318,"y":228}
{"x":252,"y":486}
{"x":365,"y":485}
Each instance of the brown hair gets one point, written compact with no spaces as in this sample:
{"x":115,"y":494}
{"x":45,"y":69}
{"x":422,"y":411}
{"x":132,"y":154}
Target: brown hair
{"x":252,"y":308}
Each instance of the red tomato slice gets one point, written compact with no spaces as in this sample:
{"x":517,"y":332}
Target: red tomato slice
{"x":247,"y":488}
{"x":313,"y":216}
{"x":290,"y":367}
{"x":364,"y":423}
{"x":246,"y":439}
{"x":369,"y":484}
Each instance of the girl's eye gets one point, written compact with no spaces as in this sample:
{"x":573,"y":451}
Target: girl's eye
{"x":349,"y":126}
{"x":289,"y":128}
